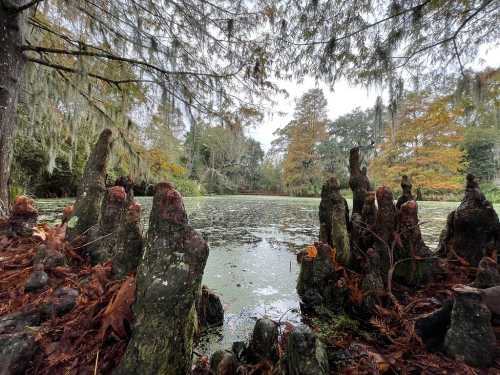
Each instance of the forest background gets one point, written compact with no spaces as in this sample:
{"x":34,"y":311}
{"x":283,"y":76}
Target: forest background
{"x":432,"y":132}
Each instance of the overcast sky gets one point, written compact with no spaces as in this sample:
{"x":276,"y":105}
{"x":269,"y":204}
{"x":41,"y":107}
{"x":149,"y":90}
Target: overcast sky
{"x":342,"y":100}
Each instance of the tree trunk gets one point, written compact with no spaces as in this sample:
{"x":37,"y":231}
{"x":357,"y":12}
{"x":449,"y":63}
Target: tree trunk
{"x":11,"y":68}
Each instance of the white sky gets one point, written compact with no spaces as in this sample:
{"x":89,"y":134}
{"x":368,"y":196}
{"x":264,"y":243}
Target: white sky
{"x":342,"y":100}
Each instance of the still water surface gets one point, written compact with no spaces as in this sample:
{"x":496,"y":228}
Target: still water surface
{"x":253,"y":241}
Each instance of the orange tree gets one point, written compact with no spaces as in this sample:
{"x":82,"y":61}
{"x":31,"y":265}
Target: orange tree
{"x":426,"y":146}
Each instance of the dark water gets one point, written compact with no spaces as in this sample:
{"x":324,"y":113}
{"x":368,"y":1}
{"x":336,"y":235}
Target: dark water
{"x":253,"y":241}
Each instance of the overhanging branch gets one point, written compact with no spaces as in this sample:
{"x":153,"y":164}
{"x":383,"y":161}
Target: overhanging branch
{"x":110,"y":56}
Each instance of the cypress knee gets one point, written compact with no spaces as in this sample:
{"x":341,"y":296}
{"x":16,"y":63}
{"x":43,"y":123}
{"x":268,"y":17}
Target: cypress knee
{"x":413,"y":270}
{"x":168,"y":283}
{"x":112,"y":210}
{"x":23,"y":217}
{"x":407,"y":195}
{"x":334,"y":218}
{"x":92,"y":188}
{"x":471,"y":337}
{"x":129,"y":243}
{"x":385,"y":225}
{"x":306,"y":354}
{"x":472,"y":228}
{"x":358,"y":180}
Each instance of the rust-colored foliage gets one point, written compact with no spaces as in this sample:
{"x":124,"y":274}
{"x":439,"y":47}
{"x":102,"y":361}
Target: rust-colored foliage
{"x":312,"y":252}
{"x":23,"y":205}
{"x":118,"y":313}
{"x":79,"y":341}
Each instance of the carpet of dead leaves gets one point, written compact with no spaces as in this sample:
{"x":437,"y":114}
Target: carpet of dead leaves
{"x":92,"y":337}
{"x":387,"y":342}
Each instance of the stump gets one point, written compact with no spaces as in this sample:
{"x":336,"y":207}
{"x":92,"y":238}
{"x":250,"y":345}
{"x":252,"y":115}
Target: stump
{"x":358,"y":180}
{"x":92,"y":188}
{"x":168,"y":284}
{"x":305,"y":353}
{"x":470,"y":337}
{"x":472,"y":227}
{"x":407,"y":195}
{"x":334,"y":219}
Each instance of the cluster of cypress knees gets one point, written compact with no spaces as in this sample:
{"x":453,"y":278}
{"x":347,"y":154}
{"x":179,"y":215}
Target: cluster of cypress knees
{"x":380,"y":241}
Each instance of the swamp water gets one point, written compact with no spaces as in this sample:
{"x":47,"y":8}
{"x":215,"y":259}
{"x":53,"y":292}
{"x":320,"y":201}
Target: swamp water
{"x":253,"y":241}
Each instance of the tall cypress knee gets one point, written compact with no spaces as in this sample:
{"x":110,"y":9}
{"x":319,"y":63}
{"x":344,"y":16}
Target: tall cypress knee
{"x":92,"y":187}
{"x":168,"y":283}
{"x":358,"y":181}
{"x":334,"y":218}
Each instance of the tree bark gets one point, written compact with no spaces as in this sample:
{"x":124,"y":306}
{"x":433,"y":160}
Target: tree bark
{"x":92,"y":188}
{"x":472,"y":228}
{"x":168,"y":284}
{"x":334,"y":219}
{"x":12,"y":65}
{"x":407,"y":195}
{"x":358,"y":181}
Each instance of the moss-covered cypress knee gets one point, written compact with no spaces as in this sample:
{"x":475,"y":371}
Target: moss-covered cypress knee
{"x":416,"y":264}
{"x":358,"y":180}
{"x":471,"y":337}
{"x":334,"y":219}
{"x":473,"y":227}
{"x":112,"y":211}
{"x":92,"y":188}
{"x":129,"y":243}
{"x":168,"y":282}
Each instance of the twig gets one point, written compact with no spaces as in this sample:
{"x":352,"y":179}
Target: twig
{"x":96,"y":361}
{"x":91,"y":242}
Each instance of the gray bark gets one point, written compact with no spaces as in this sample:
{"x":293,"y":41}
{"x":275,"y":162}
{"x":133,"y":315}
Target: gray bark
{"x":112,"y":212}
{"x":92,"y":188}
{"x":168,"y":284}
{"x":471,"y":337}
{"x":130,"y":243}
{"x":12,"y":65}
{"x":358,"y":181}
{"x":334,"y":219}
{"x":305,"y":353}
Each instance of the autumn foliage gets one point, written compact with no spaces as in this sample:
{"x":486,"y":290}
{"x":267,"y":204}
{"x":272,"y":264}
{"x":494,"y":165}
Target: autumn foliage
{"x":93,"y":335}
{"x":425,"y":147}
